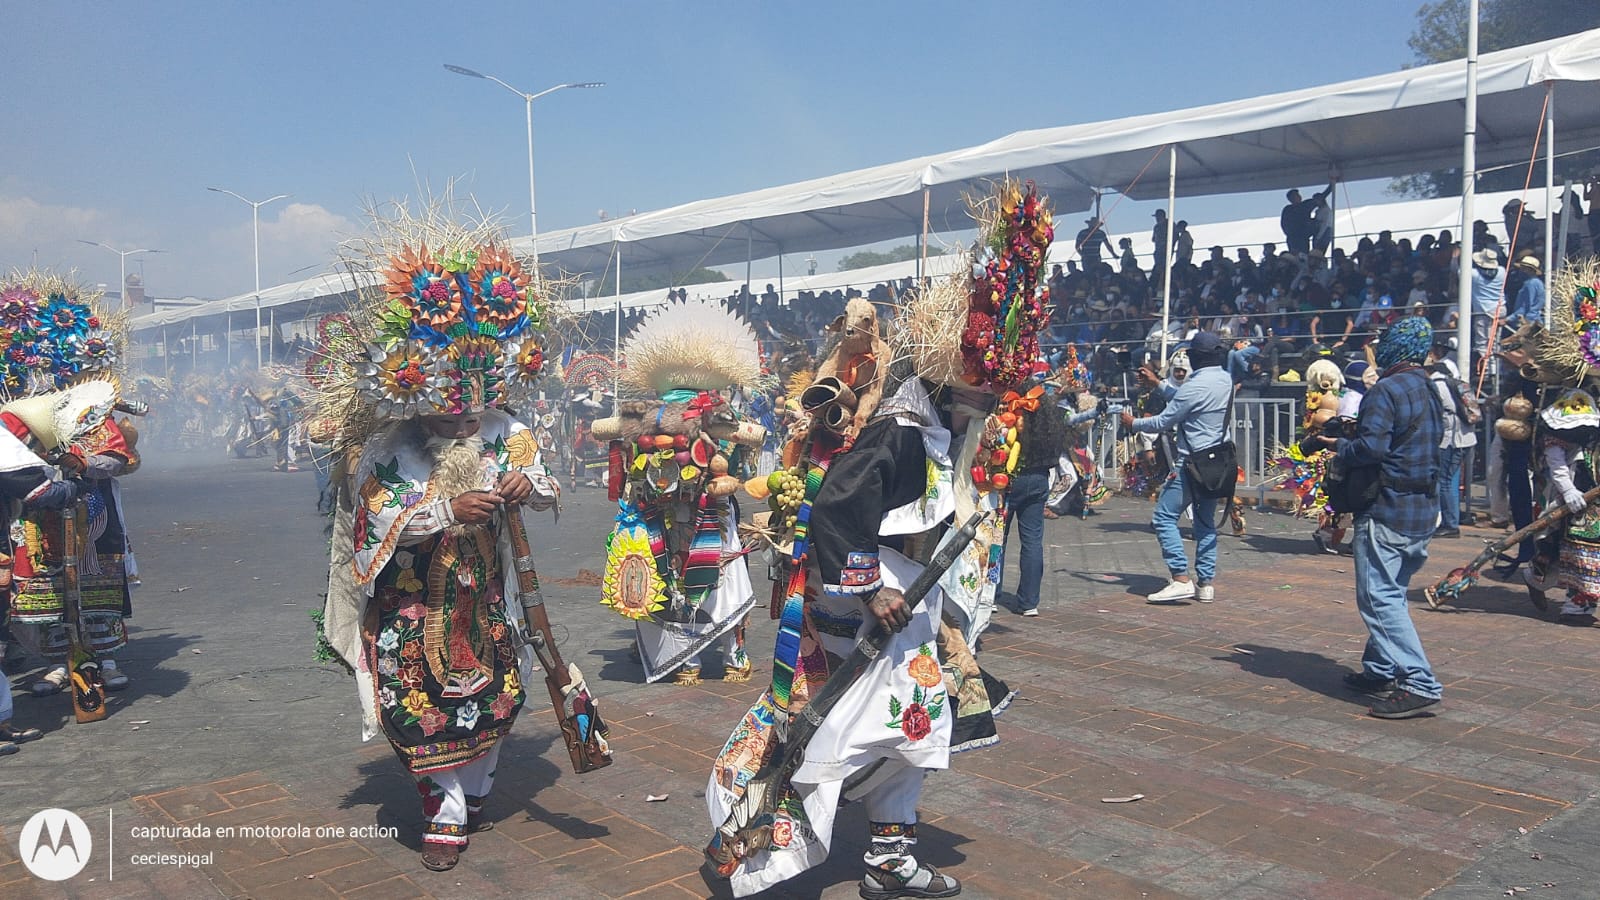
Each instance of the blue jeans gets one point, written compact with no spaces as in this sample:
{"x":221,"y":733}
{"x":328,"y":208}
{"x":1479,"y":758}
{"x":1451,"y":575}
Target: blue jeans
{"x":1385,"y":562}
{"x":1519,"y":490}
{"x":1025,"y":506}
{"x":1175,"y":495}
{"x":1450,"y":486}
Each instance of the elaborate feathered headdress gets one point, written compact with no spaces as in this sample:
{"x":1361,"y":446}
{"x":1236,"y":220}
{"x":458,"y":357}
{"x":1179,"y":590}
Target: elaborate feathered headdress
{"x":695,"y":344}
{"x":980,"y":328}
{"x":446,"y":322}
{"x":54,"y":334}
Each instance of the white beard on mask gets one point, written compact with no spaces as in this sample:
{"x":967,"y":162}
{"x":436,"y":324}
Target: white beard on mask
{"x":457,"y":468}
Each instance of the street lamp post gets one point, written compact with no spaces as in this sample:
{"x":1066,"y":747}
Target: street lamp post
{"x":527,"y":98}
{"x":255,"y":227}
{"x":122,"y":286}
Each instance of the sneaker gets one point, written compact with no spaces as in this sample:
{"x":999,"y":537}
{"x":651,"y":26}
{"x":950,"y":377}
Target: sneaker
{"x":1402,"y":704}
{"x":1324,"y":542}
{"x":1447,"y":533}
{"x":1205,"y":593}
{"x":1031,"y":612}
{"x":1369,"y":684}
{"x":1173,"y":592}
{"x":1576,"y":620}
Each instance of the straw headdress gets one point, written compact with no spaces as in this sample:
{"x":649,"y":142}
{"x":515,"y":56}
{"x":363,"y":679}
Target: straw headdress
{"x":55,"y":333}
{"x":690,"y":344}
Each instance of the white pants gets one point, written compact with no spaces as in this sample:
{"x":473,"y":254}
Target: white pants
{"x":458,"y":792}
{"x":1495,"y":474}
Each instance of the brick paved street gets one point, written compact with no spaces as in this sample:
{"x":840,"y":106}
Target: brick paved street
{"x":1261,"y":777}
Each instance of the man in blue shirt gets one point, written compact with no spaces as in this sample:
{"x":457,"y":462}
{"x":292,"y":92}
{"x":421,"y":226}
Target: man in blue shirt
{"x":1529,"y":306}
{"x":1488,"y":286}
{"x":1398,"y":431}
{"x":1199,"y":412}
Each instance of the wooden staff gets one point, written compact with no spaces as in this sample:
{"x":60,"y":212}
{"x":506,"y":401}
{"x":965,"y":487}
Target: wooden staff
{"x":88,"y":690}
{"x":581,"y":727}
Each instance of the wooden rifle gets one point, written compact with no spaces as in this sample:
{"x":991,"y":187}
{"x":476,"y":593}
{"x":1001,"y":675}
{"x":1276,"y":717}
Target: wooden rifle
{"x":83,"y":670}
{"x":581,"y":726}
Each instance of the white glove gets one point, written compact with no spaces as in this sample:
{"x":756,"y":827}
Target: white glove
{"x":1574,"y":500}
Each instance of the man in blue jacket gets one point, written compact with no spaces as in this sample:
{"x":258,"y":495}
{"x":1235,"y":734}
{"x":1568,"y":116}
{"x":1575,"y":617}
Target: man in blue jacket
{"x":1199,"y":412}
{"x":1398,"y":431}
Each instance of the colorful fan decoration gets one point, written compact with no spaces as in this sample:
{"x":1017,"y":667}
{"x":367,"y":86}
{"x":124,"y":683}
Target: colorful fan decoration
{"x":51,"y":335}
{"x":589,"y":370}
{"x":336,"y":339}
{"x":458,"y":326}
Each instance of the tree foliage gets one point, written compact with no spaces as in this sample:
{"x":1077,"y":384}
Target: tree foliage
{"x":862,"y":259}
{"x":633,"y":283}
{"x":1441,"y":36}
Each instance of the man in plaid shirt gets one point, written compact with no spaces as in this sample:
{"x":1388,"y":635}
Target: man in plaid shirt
{"x":1399,"y":430}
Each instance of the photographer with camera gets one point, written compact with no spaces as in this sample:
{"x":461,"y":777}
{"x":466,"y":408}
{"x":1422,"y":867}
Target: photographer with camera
{"x":1388,"y":479}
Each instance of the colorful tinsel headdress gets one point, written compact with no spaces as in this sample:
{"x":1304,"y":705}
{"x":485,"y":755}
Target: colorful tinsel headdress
{"x":1073,"y":376}
{"x":981,"y":328}
{"x":54,"y":334}
{"x":446,"y":322}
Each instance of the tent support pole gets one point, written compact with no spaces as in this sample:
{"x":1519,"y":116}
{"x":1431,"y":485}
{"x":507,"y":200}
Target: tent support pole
{"x":227,"y":331}
{"x":1166,"y":265}
{"x":166,"y":355}
{"x":1549,"y":190}
{"x":272,"y":332}
{"x":616,"y":344}
{"x":1561,"y":241}
{"x":194,"y":348}
{"x":1469,"y":163}
{"x":922,"y":239}
{"x":749,"y":255}
{"x":780,"y":276}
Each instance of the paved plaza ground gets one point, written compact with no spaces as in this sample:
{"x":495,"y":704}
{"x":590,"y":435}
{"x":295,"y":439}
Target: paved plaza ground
{"x":1260,"y":775}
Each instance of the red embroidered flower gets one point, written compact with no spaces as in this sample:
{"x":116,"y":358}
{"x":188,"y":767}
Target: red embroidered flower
{"x":502,"y":705}
{"x":414,"y":611}
{"x":411,"y":676}
{"x":411,"y":650}
{"x":430,"y":801}
{"x":782,"y":832}
{"x":432,"y":721}
{"x":915,"y":722}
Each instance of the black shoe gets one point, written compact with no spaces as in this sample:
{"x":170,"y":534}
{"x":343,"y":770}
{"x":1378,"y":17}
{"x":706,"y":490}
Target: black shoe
{"x":1369,"y":684}
{"x":1321,"y":540}
{"x":1576,"y":620}
{"x":1402,"y":704}
{"x":1447,"y":533}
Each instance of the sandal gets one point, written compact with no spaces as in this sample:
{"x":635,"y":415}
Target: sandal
{"x":924,"y":882}
{"x":687,"y":676}
{"x":476,"y":823}
{"x":440,"y":857}
{"x":738,"y":674}
{"x":52,"y":683}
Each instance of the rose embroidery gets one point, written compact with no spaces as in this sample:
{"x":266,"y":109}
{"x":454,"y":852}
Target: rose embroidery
{"x":432,"y":796}
{"x":915,"y":719}
{"x":467,"y":715}
{"x":782,"y":831}
{"x":503,"y":705}
{"x":386,"y":698}
{"x":432,"y":721}
{"x":924,"y":668}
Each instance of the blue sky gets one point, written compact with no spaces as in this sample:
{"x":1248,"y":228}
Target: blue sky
{"x":120,"y":115}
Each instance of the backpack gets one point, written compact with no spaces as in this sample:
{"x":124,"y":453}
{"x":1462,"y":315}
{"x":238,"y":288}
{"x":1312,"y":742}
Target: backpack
{"x":1463,"y":405}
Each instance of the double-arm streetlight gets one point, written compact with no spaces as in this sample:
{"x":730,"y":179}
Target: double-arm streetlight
{"x":255,"y":227}
{"x":527,"y":98}
{"x":122,"y":286}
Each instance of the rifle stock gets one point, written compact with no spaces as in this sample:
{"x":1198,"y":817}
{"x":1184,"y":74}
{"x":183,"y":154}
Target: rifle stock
{"x":582,"y":729}
{"x":83,"y":671}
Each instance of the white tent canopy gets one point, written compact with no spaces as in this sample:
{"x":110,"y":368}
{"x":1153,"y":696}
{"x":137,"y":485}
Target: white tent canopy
{"x":1393,"y":124}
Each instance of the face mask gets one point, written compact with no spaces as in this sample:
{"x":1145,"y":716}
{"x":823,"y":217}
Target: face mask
{"x":1370,"y":282}
{"x":1276,"y":292}
{"x":1336,"y":304}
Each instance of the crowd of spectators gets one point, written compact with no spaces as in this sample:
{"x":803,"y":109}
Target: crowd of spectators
{"x":1275,"y":305}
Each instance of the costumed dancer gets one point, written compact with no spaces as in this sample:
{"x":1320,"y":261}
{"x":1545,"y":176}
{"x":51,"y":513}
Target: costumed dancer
{"x":61,"y":366}
{"x":1569,"y":558}
{"x":26,"y":484}
{"x":1071,"y":392}
{"x":874,"y":503}
{"x":1303,"y":465}
{"x":674,"y":562}
{"x":425,"y":560}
